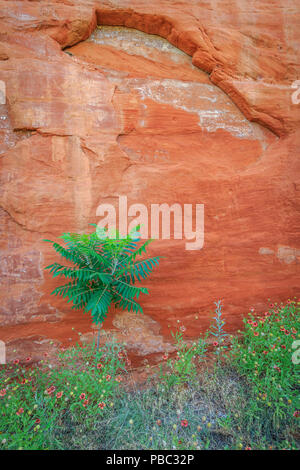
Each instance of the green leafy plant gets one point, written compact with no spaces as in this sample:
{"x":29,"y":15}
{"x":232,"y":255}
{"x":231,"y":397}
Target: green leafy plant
{"x":183,"y":368}
{"x":103,"y":274}
{"x":218,"y":332}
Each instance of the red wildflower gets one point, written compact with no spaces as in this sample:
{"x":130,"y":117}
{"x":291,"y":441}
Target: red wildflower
{"x":283,"y":346}
{"x":59,"y":394}
{"x":158,"y":422}
{"x":20,"y":411}
{"x":184,"y":423}
{"x":108,"y":377}
{"x":85,"y":403}
{"x":265,"y":352}
{"x":82,"y":396}
{"x":296,"y":414}
{"x":248,"y":448}
{"x":2,"y":392}
{"x":37,"y":421}
{"x":51,"y":389}
{"x":28,"y":359}
{"x":286,"y":332}
{"x":16,"y":361}
{"x":101,"y":405}
{"x":165,"y":357}
{"x":99,"y":366}
{"x":256,"y":333}
{"x":215,"y":343}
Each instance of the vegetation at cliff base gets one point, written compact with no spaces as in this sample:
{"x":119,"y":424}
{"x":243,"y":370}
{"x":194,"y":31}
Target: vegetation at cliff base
{"x":219,"y":392}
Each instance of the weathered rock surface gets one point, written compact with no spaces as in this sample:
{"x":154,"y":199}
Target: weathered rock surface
{"x":121,"y":112}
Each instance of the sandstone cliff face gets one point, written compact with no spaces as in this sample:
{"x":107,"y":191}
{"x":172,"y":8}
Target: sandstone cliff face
{"x":193,"y":105}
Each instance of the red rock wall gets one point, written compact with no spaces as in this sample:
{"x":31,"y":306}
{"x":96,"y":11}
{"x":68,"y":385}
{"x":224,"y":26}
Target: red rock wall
{"x":201,"y":114}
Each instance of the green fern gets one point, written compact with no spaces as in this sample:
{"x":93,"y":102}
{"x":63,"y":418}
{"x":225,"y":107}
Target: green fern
{"x":104,"y":273}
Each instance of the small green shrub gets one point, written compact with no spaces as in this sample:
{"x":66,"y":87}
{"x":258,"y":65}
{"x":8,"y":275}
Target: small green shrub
{"x":183,"y":368}
{"x":104,"y":273}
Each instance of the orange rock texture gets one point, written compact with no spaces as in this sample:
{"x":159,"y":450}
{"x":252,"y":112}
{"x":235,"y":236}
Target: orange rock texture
{"x":164,"y":102}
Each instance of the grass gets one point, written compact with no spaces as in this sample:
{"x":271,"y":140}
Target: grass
{"x":242,"y":401}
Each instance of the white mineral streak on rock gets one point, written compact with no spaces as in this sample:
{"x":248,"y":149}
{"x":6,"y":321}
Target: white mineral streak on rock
{"x":213,"y":107}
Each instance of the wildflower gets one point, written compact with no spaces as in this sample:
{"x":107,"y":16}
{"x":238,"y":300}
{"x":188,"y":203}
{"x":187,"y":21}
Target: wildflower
{"x":37,"y":421}
{"x":209,"y":425}
{"x":296,"y":414}
{"x":108,"y":377}
{"x":99,"y":366}
{"x":101,"y":405}
{"x":255,"y":324}
{"x":184,"y":423}
{"x":165,"y":357}
{"x":59,"y":394}
{"x":85,"y":403}
{"x":131,"y":421}
{"x":16,"y":361}
{"x":265,"y":352}
{"x":286,"y":332}
{"x":256,"y":333}
{"x":158,"y":422}
{"x":248,"y":448}
{"x":20,"y":411}
{"x":2,"y":392}
{"x":215,"y":343}
{"x":182,"y":328}
{"x":82,"y":396}
{"x":119,"y":378}
{"x":28,"y":359}
{"x":50,"y":390}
